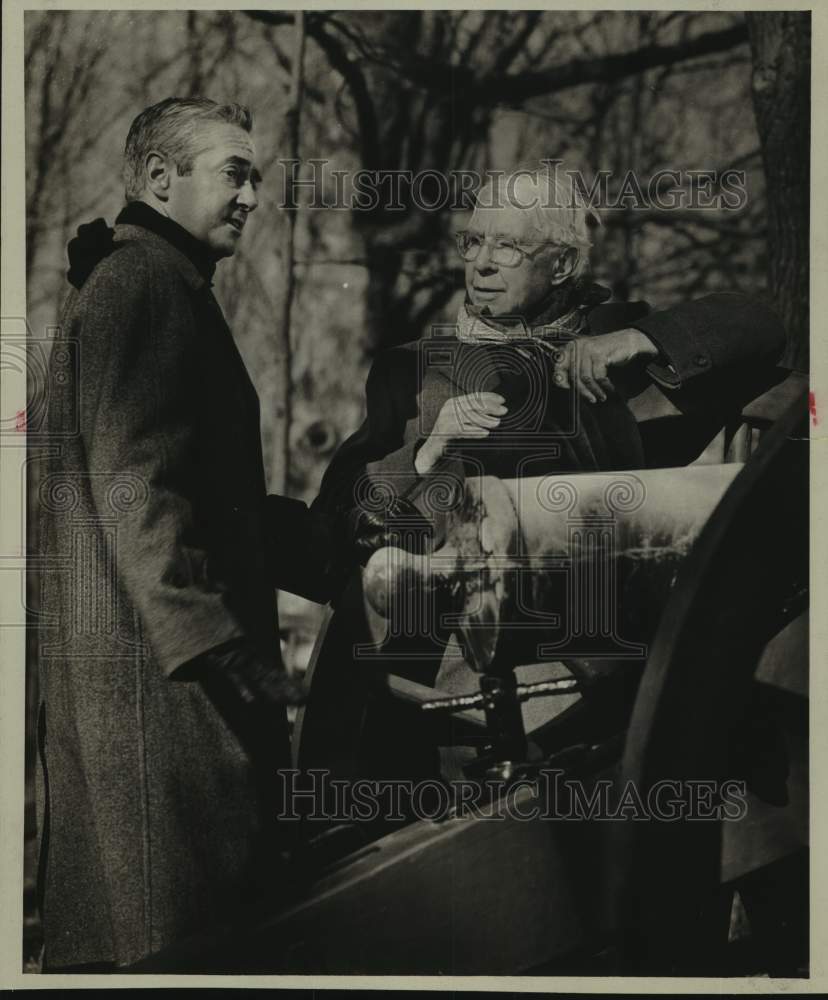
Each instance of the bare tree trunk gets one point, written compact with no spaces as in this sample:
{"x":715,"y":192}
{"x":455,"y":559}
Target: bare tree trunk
{"x":284,"y":383}
{"x":781,"y":47}
{"x":195,"y":40}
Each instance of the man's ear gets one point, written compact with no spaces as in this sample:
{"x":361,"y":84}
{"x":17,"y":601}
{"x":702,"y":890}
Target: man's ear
{"x":158,"y":169}
{"x":564,"y":266}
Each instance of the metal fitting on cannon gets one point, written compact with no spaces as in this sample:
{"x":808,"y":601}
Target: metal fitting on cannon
{"x":574,"y":568}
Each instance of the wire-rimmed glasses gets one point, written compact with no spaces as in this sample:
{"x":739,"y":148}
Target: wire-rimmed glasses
{"x":503,"y":251}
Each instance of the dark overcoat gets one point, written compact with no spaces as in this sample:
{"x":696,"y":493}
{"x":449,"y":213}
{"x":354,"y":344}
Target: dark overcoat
{"x":715,"y":354}
{"x":155,"y":821}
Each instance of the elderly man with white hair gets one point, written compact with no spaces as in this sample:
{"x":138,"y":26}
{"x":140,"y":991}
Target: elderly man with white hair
{"x":539,"y":375}
{"x":537,"y":271}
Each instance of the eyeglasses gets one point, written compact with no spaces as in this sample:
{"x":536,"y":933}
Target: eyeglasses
{"x":502,"y":251}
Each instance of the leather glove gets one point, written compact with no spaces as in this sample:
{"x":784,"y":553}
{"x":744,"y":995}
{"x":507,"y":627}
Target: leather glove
{"x":399,"y":524}
{"x":238,"y":670}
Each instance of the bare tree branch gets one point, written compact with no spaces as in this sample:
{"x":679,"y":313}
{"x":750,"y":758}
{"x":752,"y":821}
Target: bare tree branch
{"x":462,"y":81}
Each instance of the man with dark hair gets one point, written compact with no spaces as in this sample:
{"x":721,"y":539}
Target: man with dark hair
{"x":162,"y":720}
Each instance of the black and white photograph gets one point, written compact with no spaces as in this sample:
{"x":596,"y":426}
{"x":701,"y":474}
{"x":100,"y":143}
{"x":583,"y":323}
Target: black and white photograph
{"x":407,"y":435}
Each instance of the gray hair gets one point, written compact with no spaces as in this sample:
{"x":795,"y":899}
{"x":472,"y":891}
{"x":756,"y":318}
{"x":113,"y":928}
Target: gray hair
{"x":170,"y":128}
{"x":556,"y":204}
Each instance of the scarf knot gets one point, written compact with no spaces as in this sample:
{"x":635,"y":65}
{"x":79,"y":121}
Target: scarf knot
{"x":474,"y":327}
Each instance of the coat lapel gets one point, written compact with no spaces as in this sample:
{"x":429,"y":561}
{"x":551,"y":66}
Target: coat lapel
{"x":205,"y":304}
{"x":451,"y":368}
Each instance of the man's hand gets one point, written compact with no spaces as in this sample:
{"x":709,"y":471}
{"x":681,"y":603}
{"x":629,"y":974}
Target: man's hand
{"x":240,"y":672}
{"x":400,"y":525}
{"x":582,"y":364}
{"x":249,"y":691}
{"x":473,"y":416}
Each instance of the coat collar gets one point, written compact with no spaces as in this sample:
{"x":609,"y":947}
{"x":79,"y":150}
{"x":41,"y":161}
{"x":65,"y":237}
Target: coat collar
{"x":138,"y":222}
{"x":144,"y":222}
{"x":188,"y":270}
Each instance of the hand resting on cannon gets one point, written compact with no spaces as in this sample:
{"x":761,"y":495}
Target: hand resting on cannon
{"x":399,"y":524}
{"x":559,"y":568}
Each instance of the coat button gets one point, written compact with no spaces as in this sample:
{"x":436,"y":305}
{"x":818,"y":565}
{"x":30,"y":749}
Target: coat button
{"x":702,"y":360}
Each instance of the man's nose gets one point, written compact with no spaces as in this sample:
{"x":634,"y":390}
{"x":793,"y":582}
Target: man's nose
{"x":483,"y":261}
{"x":247,"y":196}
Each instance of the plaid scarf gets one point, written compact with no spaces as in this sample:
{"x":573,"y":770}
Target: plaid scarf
{"x":475,"y":327}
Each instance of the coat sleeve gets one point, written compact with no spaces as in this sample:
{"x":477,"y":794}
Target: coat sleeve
{"x":138,"y":412}
{"x":720,"y":331}
{"x":312,"y":543}
{"x":377,"y":460}
{"x":306,"y":548}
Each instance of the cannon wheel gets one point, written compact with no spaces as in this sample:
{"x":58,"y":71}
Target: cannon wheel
{"x":744,"y":581}
{"x":471,"y":896}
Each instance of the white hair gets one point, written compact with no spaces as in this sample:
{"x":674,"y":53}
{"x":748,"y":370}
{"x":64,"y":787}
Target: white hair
{"x":557,"y":207}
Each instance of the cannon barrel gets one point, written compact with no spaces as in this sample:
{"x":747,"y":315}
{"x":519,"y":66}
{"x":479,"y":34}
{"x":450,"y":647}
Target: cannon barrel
{"x":554,"y":566}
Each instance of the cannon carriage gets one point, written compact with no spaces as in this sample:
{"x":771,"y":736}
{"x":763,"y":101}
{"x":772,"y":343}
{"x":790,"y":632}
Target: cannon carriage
{"x":642,"y":631}
{"x":678,"y":652}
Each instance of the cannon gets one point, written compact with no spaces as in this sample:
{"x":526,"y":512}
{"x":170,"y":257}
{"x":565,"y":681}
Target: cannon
{"x":697,"y":581}
{"x":561,"y":567}
{"x":659,"y":608}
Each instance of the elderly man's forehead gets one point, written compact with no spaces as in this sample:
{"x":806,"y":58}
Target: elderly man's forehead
{"x":505,"y":220}
{"x":515,"y":203}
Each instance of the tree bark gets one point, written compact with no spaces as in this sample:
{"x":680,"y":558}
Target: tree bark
{"x":781,"y":47}
{"x":283,"y":403}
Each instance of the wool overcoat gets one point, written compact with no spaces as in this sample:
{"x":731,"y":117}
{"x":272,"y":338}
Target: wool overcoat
{"x":715,"y":354}
{"x":154,"y":820}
